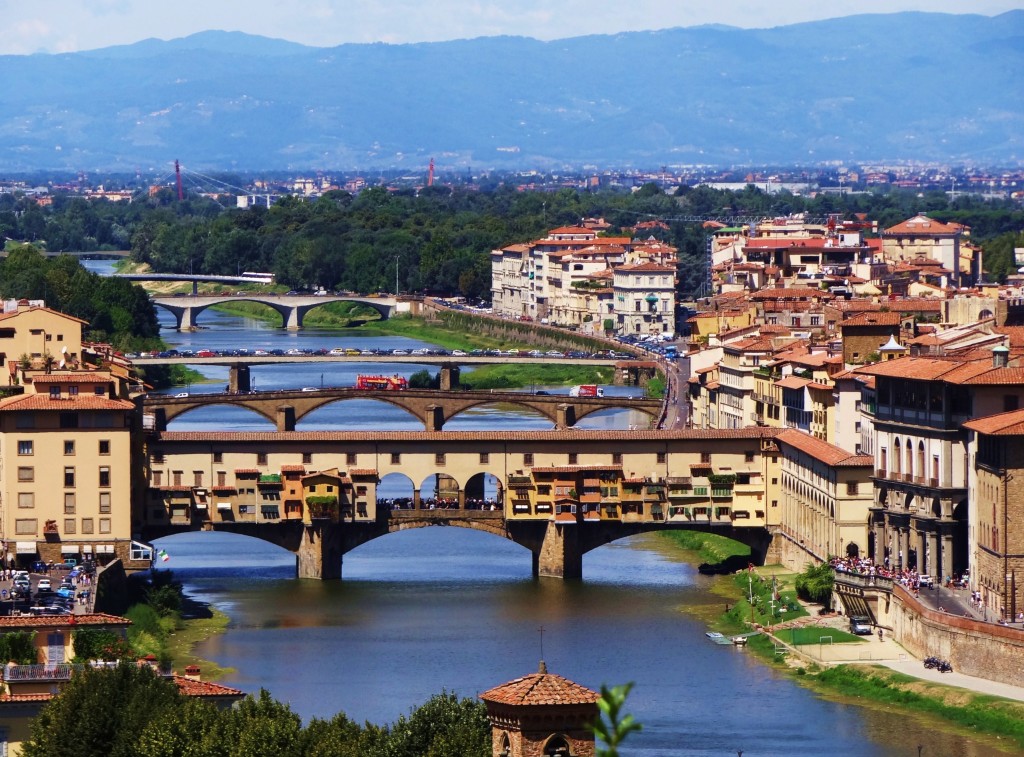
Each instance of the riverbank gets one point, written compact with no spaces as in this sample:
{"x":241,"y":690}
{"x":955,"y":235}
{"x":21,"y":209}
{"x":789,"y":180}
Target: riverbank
{"x":199,"y":622}
{"x":951,"y":708}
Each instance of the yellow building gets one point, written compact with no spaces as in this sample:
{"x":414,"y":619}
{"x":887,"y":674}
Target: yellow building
{"x":31,"y":332}
{"x":66,"y":486}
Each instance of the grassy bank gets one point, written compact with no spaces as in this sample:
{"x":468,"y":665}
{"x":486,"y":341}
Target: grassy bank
{"x":526,"y":375}
{"x":1000,"y":721}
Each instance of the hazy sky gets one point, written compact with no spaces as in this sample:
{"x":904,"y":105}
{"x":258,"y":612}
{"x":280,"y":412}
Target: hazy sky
{"x":69,"y":25}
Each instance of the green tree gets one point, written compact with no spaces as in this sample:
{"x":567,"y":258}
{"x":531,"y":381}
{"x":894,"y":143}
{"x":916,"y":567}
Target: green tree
{"x":612,"y":726}
{"x":815,"y":583}
{"x":193,"y":729}
{"x":262,"y":727}
{"x":441,"y":727}
{"x":100,"y":713}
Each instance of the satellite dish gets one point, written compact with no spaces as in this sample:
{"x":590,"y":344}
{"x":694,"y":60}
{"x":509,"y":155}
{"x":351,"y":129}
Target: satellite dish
{"x":64,"y":350}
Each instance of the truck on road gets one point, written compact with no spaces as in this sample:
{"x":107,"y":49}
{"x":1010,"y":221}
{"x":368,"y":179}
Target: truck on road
{"x":586,"y":390}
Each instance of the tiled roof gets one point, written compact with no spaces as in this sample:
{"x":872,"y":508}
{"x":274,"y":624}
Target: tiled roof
{"x":62,"y":621}
{"x":793,"y":382}
{"x":821,"y":450}
{"x":460,"y":436}
{"x":646,"y":268}
{"x":773,"y":293}
{"x":16,"y":313}
{"x":190,"y":687}
{"x":1001,"y":424}
{"x":293,"y":468}
{"x":921,"y":225}
{"x":872,"y":319}
{"x":63,"y":403}
{"x":362,"y":472}
{"x":540,"y":689}
{"x":575,"y":468}
{"x":68,"y":377}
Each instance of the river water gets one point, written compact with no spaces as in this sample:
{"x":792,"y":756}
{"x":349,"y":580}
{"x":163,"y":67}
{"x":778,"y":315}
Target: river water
{"x":446,"y":608}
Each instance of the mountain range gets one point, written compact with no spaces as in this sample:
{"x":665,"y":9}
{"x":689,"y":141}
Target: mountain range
{"x":868,"y":88}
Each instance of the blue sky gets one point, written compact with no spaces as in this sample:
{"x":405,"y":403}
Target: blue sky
{"x":69,"y":25}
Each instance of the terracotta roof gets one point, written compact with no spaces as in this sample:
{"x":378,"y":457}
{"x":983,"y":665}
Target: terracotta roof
{"x":821,"y":450}
{"x":578,"y":230}
{"x":773,"y":293}
{"x":872,"y":319}
{"x":540,"y":689}
{"x":646,"y":268}
{"x":921,"y":225}
{"x":76,"y":377}
{"x":574,"y":468}
{"x":362,"y":472}
{"x":190,"y":687}
{"x":293,"y":468}
{"x":793,"y":382}
{"x":16,"y":313}
{"x":63,"y":403}
{"x":62,"y":621}
{"x":247,"y":471}
{"x":565,"y":517}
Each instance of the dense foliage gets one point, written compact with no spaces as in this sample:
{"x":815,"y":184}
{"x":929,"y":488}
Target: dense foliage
{"x":129,"y":710}
{"x":19,"y":647}
{"x":815,"y":584}
{"x":440,"y":239}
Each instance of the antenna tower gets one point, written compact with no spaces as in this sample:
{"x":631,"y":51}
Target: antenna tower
{"x":430,"y":174}
{"x":177,"y":174}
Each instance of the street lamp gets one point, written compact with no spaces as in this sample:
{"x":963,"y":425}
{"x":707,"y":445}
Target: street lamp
{"x":397,"y":258}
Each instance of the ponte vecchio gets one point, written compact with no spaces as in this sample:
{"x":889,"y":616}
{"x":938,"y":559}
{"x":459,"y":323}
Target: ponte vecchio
{"x":559,"y":494}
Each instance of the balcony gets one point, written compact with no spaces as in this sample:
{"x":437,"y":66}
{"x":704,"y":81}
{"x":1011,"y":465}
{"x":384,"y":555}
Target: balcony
{"x":515,"y":480}
{"x":59,"y":672}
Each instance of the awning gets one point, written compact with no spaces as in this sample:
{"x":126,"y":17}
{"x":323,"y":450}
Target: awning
{"x":223,"y":505}
{"x":25,"y":547}
{"x":105,"y":549}
{"x":200,"y":505}
{"x":87,"y":548}
{"x":69,"y":549}
{"x":268,"y":509}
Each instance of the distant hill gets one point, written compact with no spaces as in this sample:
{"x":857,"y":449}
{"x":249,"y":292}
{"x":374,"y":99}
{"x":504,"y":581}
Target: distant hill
{"x":908,"y":86}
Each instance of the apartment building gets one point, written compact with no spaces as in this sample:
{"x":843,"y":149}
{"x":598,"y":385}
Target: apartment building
{"x":924,"y":237}
{"x":32,"y":335}
{"x":66,"y":484}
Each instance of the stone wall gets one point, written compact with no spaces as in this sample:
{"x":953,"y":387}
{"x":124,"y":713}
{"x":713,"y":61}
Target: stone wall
{"x":978,"y":649}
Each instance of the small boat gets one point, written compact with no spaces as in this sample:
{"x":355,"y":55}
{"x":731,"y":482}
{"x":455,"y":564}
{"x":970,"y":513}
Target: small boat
{"x":716,"y":637}
{"x":739,"y":640}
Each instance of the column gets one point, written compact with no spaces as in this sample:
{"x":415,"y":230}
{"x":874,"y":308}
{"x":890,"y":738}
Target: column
{"x":565,"y":416}
{"x":286,"y":418}
{"x":433,"y":420}
{"x":293,"y":321}
{"x":933,"y":554}
{"x":239,"y":381}
{"x":947,"y":555}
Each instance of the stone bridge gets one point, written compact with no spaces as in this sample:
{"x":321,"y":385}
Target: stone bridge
{"x":292,"y":308}
{"x":557,"y":548}
{"x":431,"y":406}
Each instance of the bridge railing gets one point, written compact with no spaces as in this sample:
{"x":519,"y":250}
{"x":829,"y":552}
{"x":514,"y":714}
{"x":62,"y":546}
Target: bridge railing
{"x":863,"y":580}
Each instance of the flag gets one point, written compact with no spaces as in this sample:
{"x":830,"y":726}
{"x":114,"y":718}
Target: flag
{"x":163,"y":555}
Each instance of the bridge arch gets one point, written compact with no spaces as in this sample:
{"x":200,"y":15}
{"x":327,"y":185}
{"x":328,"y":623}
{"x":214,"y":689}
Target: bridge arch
{"x":238,"y":417}
{"x":309,"y":420}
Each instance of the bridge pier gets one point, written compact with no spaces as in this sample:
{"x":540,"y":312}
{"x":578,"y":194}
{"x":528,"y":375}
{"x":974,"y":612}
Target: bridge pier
{"x":239,"y":381}
{"x":319,"y":552}
{"x":565,"y":416}
{"x":293,"y":320}
{"x":286,"y":418}
{"x":160,"y":418}
{"x":449,"y":377}
{"x":560,"y":555}
{"x":434,"y":418}
{"x":185,"y":319}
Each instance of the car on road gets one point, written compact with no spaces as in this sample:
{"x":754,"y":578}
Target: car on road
{"x":311,"y":389}
{"x":66,"y":593}
{"x":554,"y":353}
{"x":44,"y":585}
{"x":860,"y":625}
{"x":181,"y":395}
{"x":399,"y":352}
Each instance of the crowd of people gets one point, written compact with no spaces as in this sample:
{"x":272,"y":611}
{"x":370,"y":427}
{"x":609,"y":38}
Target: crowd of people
{"x":437,"y":503}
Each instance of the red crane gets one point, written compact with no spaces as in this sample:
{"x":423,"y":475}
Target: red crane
{"x":430,"y":174}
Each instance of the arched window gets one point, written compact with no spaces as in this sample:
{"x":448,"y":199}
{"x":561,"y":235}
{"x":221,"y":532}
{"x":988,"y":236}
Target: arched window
{"x":909,"y":460}
{"x":896,"y":457}
{"x":557,"y":746}
{"x":920,"y":459}
{"x":506,"y":746}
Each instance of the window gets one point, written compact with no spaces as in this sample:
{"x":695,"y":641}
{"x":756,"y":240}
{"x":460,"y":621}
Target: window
{"x":351,"y":458}
{"x":748,"y":457}
{"x":851,"y":487}
{"x":26,"y":499}
{"x":104,"y":502}
{"x":69,"y":503}
{"x":396,"y":458}
{"x":439,"y":458}
{"x":26,"y":526}
{"x":662,"y":458}
{"x":104,"y":525}
{"x":574,"y":458}
{"x":87,"y":525}
{"x":527,"y":458}
{"x":222,"y":478}
{"x":69,"y":447}
{"x":1010,"y":402}
{"x":157,"y":477}
{"x":73,"y":391}
{"x":98,"y":391}
{"x":104,"y":446}
{"x":616,"y":458}
{"x":69,"y":477}
{"x":26,"y":474}
{"x":218,"y":457}
{"x":105,"y":476}
{"x":176,"y":478}
{"x":69,"y":525}
{"x":197,"y":477}
{"x":261,"y":458}
{"x":55,"y":392}
{"x":485,"y":458}
{"x":25,"y":447}
{"x":307,"y":458}
{"x":705,"y":457}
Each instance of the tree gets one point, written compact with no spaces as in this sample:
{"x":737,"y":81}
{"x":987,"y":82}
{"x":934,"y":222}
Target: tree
{"x":101,"y":712}
{"x":441,"y":727}
{"x":612,"y":727}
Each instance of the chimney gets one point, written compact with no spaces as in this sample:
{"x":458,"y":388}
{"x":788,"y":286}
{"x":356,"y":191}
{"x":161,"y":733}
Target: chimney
{"x":1000,"y":357}
{"x":192,"y":671}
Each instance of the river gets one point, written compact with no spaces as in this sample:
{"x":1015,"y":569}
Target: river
{"x":446,"y":608}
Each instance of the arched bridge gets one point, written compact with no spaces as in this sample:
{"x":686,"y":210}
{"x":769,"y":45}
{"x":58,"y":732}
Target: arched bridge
{"x":292,"y":308}
{"x":432,"y":407}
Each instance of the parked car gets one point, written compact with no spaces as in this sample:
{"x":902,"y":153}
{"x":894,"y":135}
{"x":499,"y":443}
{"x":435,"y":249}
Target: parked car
{"x":44,"y":585}
{"x":66,"y":593}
